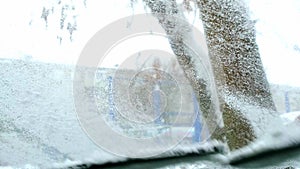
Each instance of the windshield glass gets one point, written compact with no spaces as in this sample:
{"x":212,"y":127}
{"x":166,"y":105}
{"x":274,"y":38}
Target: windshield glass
{"x":101,"y":82}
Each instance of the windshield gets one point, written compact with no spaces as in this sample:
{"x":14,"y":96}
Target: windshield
{"x":181,"y":83}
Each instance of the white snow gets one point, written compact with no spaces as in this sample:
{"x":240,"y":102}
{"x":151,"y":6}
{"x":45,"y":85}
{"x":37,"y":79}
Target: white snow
{"x":286,"y":137}
{"x":290,"y":116}
{"x":39,"y":127}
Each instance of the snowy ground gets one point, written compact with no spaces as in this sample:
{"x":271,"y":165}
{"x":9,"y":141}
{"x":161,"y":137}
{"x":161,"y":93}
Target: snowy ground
{"x":38,"y":119}
{"x":39,"y":126}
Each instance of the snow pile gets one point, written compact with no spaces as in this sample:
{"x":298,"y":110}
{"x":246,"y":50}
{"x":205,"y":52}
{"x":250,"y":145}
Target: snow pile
{"x":210,"y":147}
{"x":280,"y":139}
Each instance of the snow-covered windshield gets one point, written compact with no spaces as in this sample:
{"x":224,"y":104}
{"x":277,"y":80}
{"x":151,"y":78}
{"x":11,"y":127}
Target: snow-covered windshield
{"x":100,"y":82}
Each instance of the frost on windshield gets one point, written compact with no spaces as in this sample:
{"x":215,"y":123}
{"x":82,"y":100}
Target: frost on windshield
{"x":66,"y":12}
{"x":211,"y":97}
{"x":237,"y":70}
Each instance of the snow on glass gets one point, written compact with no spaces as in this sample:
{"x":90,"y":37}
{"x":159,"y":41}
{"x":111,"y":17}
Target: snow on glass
{"x":38,"y":110}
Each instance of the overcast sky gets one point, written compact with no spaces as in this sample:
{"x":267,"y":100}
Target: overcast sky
{"x":24,"y":34}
